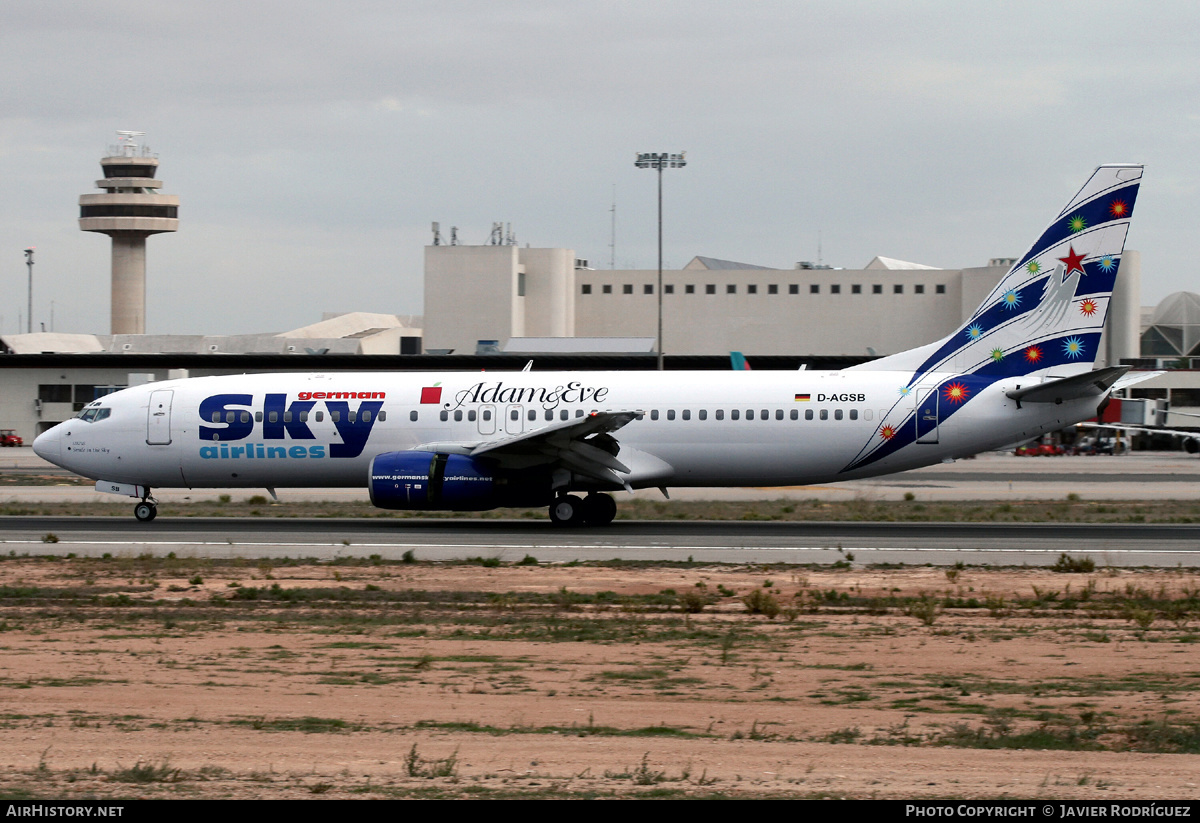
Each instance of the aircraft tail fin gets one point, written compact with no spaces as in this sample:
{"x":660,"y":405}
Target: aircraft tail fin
{"x":738,"y":361}
{"x":1049,"y":310}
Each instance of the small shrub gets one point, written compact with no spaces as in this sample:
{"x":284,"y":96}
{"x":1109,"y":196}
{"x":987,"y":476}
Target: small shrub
{"x":761,"y":602}
{"x":926,"y":609}
{"x":1071,"y":565}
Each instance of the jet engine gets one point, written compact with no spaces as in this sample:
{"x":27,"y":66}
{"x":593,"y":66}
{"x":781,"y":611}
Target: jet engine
{"x":432,"y":480}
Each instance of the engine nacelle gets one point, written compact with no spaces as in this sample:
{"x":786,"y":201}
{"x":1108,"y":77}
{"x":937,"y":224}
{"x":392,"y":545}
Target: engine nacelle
{"x":456,"y":482}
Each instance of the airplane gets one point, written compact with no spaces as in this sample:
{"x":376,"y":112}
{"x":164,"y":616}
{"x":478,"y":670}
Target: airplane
{"x":1020,"y":366}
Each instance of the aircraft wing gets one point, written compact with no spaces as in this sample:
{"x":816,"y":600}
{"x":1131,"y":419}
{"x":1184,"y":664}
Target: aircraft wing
{"x":583,"y":445}
{"x":1193,"y":435}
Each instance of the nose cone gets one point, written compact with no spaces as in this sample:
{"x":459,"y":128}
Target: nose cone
{"x":48,"y":445}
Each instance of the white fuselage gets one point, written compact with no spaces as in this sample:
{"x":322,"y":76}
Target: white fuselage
{"x":736,"y":428}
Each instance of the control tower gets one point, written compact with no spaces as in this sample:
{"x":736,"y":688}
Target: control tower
{"x":130,"y":210}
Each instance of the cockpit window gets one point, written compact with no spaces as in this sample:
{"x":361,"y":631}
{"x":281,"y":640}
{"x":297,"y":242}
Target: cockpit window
{"x":94,"y":415}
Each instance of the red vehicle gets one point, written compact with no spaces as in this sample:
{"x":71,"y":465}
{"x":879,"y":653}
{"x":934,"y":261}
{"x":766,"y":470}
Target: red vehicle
{"x":9,"y":437}
{"x":1040,"y":450}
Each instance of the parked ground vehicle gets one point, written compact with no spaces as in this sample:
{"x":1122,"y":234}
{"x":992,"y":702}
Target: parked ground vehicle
{"x":9,"y":437}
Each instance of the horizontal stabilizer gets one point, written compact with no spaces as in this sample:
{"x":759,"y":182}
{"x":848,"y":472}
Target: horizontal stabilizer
{"x":1133,"y":378}
{"x":1088,"y":384}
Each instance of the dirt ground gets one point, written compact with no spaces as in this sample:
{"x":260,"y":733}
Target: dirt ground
{"x":195,"y":679}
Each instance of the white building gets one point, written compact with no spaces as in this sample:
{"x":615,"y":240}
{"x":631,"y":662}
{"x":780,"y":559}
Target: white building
{"x":482,"y":296}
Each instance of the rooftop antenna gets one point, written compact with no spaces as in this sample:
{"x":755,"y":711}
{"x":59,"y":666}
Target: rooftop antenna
{"x":819,"y":260}
{"x":437,"y":235}
{"x":496,"y":238}
{"x":127,"y":144}
{"x":454,"y":235}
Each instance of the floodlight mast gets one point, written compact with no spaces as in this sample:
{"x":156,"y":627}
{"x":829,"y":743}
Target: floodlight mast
{"x":29,"y":309}
{"x":660,"y":161}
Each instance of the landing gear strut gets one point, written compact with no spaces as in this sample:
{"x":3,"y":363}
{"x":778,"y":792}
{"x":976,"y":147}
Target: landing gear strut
{"x":594,"y":510}
{"x":147,"y":510}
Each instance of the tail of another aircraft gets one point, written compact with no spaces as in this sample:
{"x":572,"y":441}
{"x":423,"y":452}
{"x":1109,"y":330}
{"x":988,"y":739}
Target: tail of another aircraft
{"x":1049,"y":310}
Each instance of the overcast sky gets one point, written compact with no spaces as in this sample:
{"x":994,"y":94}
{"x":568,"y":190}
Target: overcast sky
{"x":312,"y":143}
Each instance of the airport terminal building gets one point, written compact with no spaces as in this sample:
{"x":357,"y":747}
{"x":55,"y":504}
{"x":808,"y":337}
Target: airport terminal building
{"x":480,"y":298}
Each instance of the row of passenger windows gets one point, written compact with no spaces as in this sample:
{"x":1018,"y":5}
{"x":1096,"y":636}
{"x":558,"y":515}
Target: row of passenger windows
{"x":670,"y":414}
{"x":751,"y":288}
{"x":548,"y":414}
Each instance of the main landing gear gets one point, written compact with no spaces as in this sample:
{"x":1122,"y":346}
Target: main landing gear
{"x":594,"y":510}
{"x":147,"y":510}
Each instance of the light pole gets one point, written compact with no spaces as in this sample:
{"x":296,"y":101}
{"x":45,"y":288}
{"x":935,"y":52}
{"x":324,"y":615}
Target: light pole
{"x":29,"y":308}
{"x":660,"y":161}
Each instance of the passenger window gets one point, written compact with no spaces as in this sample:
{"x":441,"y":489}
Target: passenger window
{"x":443,"y":415}
{"x":867,"y":414}
{"x":837,"y":414}
{"x":670,"y":414}
{"x":795,"y":415}
{"x":687,"y":414}
{"x":304,"y":416}
{"x":216,"y":417}
{"x":654,"y":414}
{"x":563,"y":414}
{"x":749,"y":414}
{"x":336,"y":416}
{"x":515,"y":415}
{"x":532,"y":415}
{"x":457,"y":415}
{"x":321,"y":416}
{"x":808,"y":415}
{"x":287,"y":416}
{"x":854,"y":414}
{"x":351,"y":416}
{"x":229,"y":417}
{"x":381,"y":418}
{"x":824,"y":414}
{"x":720,"y":414}
{"x":470,"y":415}
{"x":487,"y":414}
{"x":258,"y":417}
{"x":549,"y":414}
{"x":703,"y":413}
{"x":779,"y":414}
{"x":579,"y":412}
{"x":245,"y":417}
{"x":765,"y":414}
{"x":412,"y":415}
{"x":734,"y":414}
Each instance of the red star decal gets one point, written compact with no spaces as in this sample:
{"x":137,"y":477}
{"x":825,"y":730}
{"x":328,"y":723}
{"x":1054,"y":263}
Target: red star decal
{"x":1118,"y":208}
{"x":1074,"y":262}
{"x":887,"y":432}
{"x":1033,"y":354}
{"x":1088,"y":307}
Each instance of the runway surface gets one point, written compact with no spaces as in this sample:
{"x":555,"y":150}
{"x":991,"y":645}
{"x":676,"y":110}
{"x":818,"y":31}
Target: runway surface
{"x":711,"y":542}
{"x":1000,"y":477}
